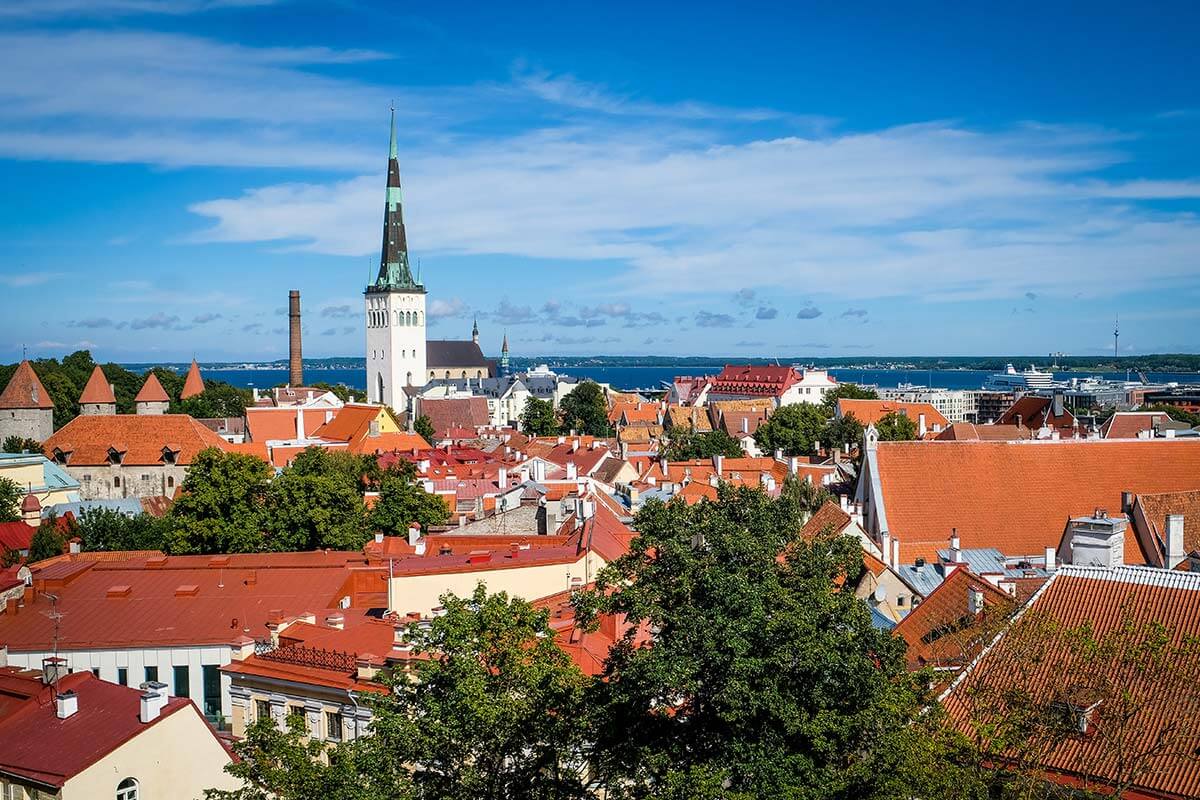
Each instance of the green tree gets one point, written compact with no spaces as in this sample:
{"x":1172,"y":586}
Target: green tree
{"x":538,"y":418}
{"x":584,"y":410}
{"x":275,"y":764}
{"x":109,"y":529}
{"x":10,"y":558}
{"x":218,"y":399}
{"x":10,"y":500}
{"x":48,"y":540}
{"x":19,"y":444}
{"x":896,"y":428}
{"x":688,"y":444}
{"x":849,"y":391}
{"x":221,"y":506}
{"x":493,"y":714}
{"x":307,"y":511}
{"x":794,"y":429}
{"x":402,"y":502}
{"x":423,"y":427}
{"x":765,"y":679}
{"x":842,"y":431}
{"x":340,"y":390}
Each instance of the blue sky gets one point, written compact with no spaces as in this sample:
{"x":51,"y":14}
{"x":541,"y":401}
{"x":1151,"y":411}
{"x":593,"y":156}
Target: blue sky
{"x":795,"y":180}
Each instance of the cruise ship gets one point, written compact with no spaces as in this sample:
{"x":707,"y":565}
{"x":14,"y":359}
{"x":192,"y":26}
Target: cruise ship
{"x":1013,"y":381}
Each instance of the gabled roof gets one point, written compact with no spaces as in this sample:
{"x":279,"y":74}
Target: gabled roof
{"x":270,"y":423}
{"x":1128,"y":424}
{"x":98,"y":389}
{"x":16,"y":535}
{"x":1105,"y":600}
{"x":830,"y":515}
{"x":1035,"y":411}
{"x":970,"y":432}
{"x":688,"y":417}
{"x":192,"y":383}
{"x":1154,"y":509}
{"x":941,"y":631}
{"x":452,"y":354}
{"x":86,"y":440}
{"x":38,"y":746}
{"x":25,"y":390}
{"x":152,"y":391}
{"x":1018,"y":496}
{"x":870,"y":412}
{"x":455,"y":412}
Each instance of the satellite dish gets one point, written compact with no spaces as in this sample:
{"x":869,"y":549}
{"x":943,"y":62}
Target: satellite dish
{"x":880,"y":593}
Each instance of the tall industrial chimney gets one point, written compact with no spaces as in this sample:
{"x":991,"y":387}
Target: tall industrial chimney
{"x":295,"y":359}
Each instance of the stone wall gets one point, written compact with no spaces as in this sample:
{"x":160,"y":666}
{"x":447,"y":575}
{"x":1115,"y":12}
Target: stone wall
{"x":97,"y":482}
{"x":28,"y":423}
{"x":97,"y":409}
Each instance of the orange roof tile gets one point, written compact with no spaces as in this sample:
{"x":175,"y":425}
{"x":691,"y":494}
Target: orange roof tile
{"x":192,"y":383}
{"x":1034,"y":411}
{"x":152,"y":391}
{"x":86,"y":440}
{"x":966,"y":431}
{"x":941,"y":632}
{"x":265,"y":424}
{"x":98,"y":389}
{"x":1154,"y":509}
{"x":25,"y":390}
{"x":1128,"y":424}
{"x":870,"y":412}
{"x":1106,"y":600}
{"x":1018,"y":496}
{"x":830,"y":515}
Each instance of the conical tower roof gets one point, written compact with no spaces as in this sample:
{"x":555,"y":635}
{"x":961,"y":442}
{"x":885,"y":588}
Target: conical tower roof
{"x":24,"y":390}
{"x":193,"y":384}
{"x":98,"y":389}
{"x":152,"y":391}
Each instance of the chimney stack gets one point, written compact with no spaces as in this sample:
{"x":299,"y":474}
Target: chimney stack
{"x":66,"y":704}
{"x":154,"y":699}
{"x":295,"y":359}
{"x":1175,"y":551}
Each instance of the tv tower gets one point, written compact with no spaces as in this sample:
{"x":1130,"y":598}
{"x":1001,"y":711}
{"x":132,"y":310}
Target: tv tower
{"x":1117,"y":338}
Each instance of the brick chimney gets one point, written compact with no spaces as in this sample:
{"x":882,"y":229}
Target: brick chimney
{"x":295,"y":357}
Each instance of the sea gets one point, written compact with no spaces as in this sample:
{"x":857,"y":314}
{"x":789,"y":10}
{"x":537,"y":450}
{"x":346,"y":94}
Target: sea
{"x":652,"y":378}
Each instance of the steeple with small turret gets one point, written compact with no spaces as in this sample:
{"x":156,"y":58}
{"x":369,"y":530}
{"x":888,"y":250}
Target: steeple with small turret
{"x":504,"y":355}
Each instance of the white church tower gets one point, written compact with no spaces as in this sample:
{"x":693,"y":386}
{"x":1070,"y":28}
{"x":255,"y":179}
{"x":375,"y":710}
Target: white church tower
{"x":395,"y":305}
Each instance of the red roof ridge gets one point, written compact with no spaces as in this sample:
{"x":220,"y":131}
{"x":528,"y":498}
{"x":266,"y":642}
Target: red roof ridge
{"x":193,"y":384}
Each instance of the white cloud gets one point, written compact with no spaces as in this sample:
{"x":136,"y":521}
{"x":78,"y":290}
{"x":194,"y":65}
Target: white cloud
{"x":935,"y":209}
{"x":42,"y":9}
{"x":19,"y":280}
{"x":454,"y":307}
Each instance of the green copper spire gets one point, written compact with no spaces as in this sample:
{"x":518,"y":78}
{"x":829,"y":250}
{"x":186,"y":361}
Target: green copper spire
{"x":394,"y":270}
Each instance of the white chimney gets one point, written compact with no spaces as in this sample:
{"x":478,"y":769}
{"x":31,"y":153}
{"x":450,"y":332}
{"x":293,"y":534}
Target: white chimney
{"x":414,"y":533}
{"x":1175,"y":552}
{"x":974,"y":601}
{"x":336,"y":621}
{"x":502,"y":479}
{"x":587,"y":509}
{"x":718,"y":461}
{"x":154,"y":699}
{"x":571,"y":472}
{"x":921,"y":426}
{"x":378,"y":537}
{"x":745,"y":425}
{"x":896,"y":552}
{"x":299,"y":422}
{"x":886,"y":548}
{"x":66,"y":704}
{"x":1051,"y":560}
{"x":956,"y":555}
{"x":793,"y":465}
{"x":778,"y":454}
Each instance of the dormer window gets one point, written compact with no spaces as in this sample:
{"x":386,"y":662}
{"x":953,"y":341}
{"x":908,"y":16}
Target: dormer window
{"x":169,"y":455}
{"x":115,"y":456}
{"x":61,"y":456}
{"x":1075,"y":715}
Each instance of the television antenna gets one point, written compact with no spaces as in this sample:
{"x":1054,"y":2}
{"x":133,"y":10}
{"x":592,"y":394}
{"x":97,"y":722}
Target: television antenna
{"x":56,"y":616}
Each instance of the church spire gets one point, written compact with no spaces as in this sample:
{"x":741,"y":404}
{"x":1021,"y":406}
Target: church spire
{"x":504,"y":355}
{"x":475,"y":331}
{"x":394,"y":270}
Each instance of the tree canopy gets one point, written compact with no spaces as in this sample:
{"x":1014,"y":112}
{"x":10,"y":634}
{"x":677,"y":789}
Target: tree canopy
{"x":585,"y":411}
{"x":688,"y":444}
{"x":794,"y":429}
{"x":402,"y":502}
{"x":538,"y":418}
{"x":10,"y":500}
{"x":842,"y":431}
{"x":848,"y":391}
{"x":896,"y":427}
{"x":764,"y":678}
{"x":108,"y":529}
{"x":423,"y":427}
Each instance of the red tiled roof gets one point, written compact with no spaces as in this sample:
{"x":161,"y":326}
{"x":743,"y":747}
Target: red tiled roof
{"x":98,"y":389}
{"x":940,"y":632}
{"x":1018,"y":496}
{"x":969,"y":432}
{"x":352,"y":425}
{"x":739,"y":423}
{"x":235,"y":595}
{"x":1128,"y":424}
{"x":264,"y":424}
{"x":1034,"y":412}
{"x":192,"y":382}
{"x":755,"y":380}
{"x":152,"y":391}
{"x":830,"y":515}
{"x":1154,"y":509}
{"x":25,"y":390}
{"x":1106,"y":600}
{"x":455,"y":412}
{"x":16,"y":535}
{"x":870,"y":412}
{"x":38,"y":746}
{"x":140,"y":437}
{"x":587,"y":648}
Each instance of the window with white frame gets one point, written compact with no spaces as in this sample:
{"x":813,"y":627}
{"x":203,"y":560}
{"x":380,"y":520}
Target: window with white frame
{"x":127,"y":789}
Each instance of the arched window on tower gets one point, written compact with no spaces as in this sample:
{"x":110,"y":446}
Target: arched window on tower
{"x":379,"y":386}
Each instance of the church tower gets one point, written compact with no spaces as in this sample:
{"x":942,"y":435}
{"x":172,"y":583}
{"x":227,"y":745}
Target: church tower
{"x":395,"y":304}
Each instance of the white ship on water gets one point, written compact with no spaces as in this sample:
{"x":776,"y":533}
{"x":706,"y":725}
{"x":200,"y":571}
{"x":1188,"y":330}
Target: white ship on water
{"x":1026,"y":380}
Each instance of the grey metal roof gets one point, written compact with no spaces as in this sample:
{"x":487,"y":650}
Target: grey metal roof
{"x":129,"y":506}
{"x":450,"y":353}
